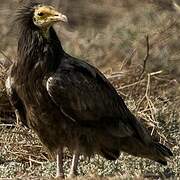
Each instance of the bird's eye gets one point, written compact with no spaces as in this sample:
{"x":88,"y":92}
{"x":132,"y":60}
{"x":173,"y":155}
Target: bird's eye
{"x":40,"y":14}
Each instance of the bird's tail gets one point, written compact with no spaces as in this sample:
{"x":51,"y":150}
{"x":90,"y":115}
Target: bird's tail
{"x":152,"y":150}
{"x":162,"y":154}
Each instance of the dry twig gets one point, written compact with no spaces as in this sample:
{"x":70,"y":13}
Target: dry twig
{"x":146,"y":57}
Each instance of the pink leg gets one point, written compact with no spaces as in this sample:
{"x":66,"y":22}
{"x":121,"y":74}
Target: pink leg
{"x":73,"y":170}
{"x":59,"y":161}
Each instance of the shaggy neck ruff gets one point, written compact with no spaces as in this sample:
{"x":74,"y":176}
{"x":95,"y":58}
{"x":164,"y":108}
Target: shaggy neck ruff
{"x":35,"y":49}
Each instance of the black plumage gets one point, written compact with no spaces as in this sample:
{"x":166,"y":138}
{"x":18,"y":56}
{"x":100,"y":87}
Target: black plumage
{"x":70,"y":103}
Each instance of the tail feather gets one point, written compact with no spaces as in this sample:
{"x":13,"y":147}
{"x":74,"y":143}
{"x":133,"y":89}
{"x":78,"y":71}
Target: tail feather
{"x":162,"y":153}
{"x":163,"y":149}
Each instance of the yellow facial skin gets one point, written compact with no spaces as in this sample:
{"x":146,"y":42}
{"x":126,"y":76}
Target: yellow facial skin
{"x":46,"y":16}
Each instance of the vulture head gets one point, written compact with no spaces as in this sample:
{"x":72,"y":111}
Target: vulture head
{"x":45,"y":16}
{"x":38,"y":16}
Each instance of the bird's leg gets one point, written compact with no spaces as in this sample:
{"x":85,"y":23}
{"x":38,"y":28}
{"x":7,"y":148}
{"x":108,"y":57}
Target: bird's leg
{"x":17,"y":118}
{"x":74,"y":164}
{"x":59,"y":168}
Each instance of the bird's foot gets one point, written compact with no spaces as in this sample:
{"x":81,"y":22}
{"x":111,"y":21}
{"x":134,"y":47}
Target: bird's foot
{"x":59,"y":177}
{"x":72,"y":175}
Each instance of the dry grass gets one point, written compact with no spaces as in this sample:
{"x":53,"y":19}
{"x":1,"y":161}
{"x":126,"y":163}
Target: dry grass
{"x":119,"y":50}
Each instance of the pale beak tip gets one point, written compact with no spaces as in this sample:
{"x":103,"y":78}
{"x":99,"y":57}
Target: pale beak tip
{"x":64,"y":18}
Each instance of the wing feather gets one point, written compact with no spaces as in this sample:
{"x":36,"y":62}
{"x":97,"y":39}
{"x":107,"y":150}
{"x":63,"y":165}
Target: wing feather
{"x":85,"y":96}
{"x":15,"y":101}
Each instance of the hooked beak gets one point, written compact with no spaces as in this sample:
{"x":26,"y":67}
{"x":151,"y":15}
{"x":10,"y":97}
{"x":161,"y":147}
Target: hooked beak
{"x":60,"y":17}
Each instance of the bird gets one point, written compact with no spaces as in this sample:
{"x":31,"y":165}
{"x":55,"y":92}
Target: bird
{"x":66,"y":101}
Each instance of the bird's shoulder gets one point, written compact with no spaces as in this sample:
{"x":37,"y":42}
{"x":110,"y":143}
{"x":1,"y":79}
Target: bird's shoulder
{"x":79,"y":86}
{"x":79,"y":67}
